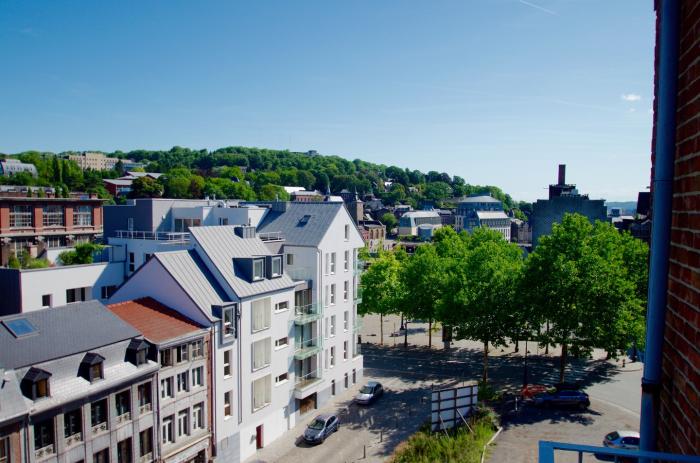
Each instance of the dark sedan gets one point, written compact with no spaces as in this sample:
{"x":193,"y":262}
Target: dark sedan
{"x":563,"y":398}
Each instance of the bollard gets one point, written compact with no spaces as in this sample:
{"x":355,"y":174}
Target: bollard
{"x":516,"y":403}
{"x":364,"y":452}
{"x":381,"y":435}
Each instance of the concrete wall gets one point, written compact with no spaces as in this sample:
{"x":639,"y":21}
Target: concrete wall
{"x":547,"y":212}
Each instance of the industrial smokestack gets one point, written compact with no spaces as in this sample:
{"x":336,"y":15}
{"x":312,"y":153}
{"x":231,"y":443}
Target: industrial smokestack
{"x":562,"y":174}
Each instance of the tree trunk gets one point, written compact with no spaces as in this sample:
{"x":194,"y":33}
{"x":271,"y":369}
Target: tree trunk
{"x":430,"y":333}
{"x":546,"y":346}
{"x":381,"y":329}
{"x":405,"y":334}
{"x":485,"y":376}
{"x":562,"y":362}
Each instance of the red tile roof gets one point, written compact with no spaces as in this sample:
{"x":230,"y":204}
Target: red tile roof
{"x":155,"y":321}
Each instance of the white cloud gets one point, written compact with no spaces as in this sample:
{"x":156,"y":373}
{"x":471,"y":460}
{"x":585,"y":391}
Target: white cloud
{"x":631,"y":97}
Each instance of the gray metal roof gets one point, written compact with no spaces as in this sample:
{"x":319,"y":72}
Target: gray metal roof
{"x":221,"y":245}
{"x":295,"y":229}
{"x":188,"y":270}
{"x":480,"y":199}
{"x":12,"y":404}
{"x":60,"y":332}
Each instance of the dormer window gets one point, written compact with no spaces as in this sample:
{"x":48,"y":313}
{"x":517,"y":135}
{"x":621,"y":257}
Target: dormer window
{"x":276,"y":267}
{"x":258,"y":269}
{"x":35,"y":384}
{"x":229,"y":320}
{"x":91,"y":368}
{"x":137,"y":352}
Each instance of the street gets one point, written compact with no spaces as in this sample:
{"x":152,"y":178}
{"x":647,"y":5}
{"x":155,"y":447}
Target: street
{"x":372,"y":433}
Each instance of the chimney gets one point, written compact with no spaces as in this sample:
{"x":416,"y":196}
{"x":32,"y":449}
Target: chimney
{"x":562,"y":174}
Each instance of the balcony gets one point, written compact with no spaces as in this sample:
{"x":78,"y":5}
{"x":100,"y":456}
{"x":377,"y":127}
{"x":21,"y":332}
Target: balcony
{"x":145,"y":408}
{"x":547,"y":451}
{"x":359,"y":266}
{"x":98,"y":428}
{"x":74,"y":439}
{"x":171,"y":237}
{"x":44,"y":452}
{"x":306,"y":348}
{"x":308,"y":313}
{"x":357,"y":299}
{"x":124,"y":417}
{"x":146,"y":458}
{"x":357,"y":324}
{"x":271,"y":236}
{"x":306,"y":385}
{"x":356,"y":350}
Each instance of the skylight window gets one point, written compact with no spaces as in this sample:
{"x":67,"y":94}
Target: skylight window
{"x":304,"y":220}
{"x":19,"y":327}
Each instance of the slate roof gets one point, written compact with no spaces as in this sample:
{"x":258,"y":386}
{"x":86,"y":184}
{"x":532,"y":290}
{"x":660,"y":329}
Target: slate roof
{"x":12,"y":403}
{"x":60,"y":332}
{"x":480,"y":199}
{"x":293,"y":228}
{"x":188,"y":270}
{"x":491,"y":215}
{"x":222,"y":245}
{"x":413,"y":214}
{"x":154,"y":320}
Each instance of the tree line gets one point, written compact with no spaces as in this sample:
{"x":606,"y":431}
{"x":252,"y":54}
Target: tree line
{"x":583,"y":287}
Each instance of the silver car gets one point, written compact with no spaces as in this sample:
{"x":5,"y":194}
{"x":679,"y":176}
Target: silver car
{"x":627,"y":440}
{"x":369,"y":393}
{"x":321,"y":427}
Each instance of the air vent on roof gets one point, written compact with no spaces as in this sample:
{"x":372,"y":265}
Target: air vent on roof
{"x":304,"y":220}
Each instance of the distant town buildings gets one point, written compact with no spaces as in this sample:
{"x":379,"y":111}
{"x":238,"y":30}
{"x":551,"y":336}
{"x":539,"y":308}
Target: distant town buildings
{"x":410,"y":222}
{"x":10,"y":167}
{"x":122,"y":186}
{"x":482,"y":211}
{"x":97,"y":161}
{"x":563,"y":198}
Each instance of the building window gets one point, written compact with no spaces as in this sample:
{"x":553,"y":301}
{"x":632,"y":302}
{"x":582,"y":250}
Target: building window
{"x":332,"y":263}
{"x":101,"y":457}
{"x":44,"y":434}
{"x":332,"y":325}
{"x":258,"y":269}
{"x":198,"y":416}
{"x":281,"y":342}
{"x":333,"y":387}
{"x":77,"y":294}
{"x":325,"y":298}
{"x":5,"y":450}
{"x":345,"y":350}
{"x":20,"y":216}
{"x":346,"y":380}
{"x":73,"y":425}
{"x":91,"y":367}
{"x":52,"y":216}
{"x":346,"y":261}
{"x":227,"y":403}
{"x":197,"y":349}
{"x":183,"y":381}
{"x":262,"y":392}
{"x":325,"y":360}
{"x":332,"y":356}
{"x":107,"y":291}
{"x":146,"y":442}
{"x":229,"y":321}
{"x":333,"y":294}
{"x":197,"y":376}
{"x":123,"y":402}
{"x":132,"y":262}
{"x":346,"y":320}
{"x":166,"y":358}
{"x":124,"y":451}
{"x":261,"y":353}
{"x":167,"y":430}
{"x":182,"y":353}
{"x":346,"y":290}
{"x":281,"y":378}
{"x":347,"y":232}
{"x":290,"y":259}
{"x":144,"y":396}
{"x":276,"y":266}
{"x":53,"y":242}
{"x":82,"y":216}
{"x":46,"y":300}
{"x":261,"y":314}
{"x":183,"y":423}
{"x":328,"y":327}
{"x":166,"y":388}
{"x":35,"y":384}
{"x":281,"y":306}
{"x":328,"y":262}
{"x":98,"y":413}
{"x":227,"y":362}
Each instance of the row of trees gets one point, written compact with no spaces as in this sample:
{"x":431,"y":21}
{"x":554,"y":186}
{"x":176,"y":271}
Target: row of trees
{"x":584,"y":286}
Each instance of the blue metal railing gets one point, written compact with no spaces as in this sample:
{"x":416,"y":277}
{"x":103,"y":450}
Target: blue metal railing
{"x":547,"y":449}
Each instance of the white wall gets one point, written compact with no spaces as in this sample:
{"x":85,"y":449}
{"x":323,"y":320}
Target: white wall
{"x":140,"y":248}
{"x":56,"y":280}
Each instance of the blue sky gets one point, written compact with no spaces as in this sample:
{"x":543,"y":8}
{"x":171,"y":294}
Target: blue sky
{"x":496,"y":91}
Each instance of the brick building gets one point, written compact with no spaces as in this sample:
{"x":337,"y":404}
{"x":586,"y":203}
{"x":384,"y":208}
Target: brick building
{"x":677,"y":401}
{"x":37,"y":224}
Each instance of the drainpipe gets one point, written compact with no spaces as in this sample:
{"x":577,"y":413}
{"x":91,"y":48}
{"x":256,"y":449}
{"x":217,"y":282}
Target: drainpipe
{"x":661,"y":218}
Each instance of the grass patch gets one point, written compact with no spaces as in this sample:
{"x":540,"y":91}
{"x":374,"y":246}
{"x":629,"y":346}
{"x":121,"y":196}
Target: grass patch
{"x":461,"y":445}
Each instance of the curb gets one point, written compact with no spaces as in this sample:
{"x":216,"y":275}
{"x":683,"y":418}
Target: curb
{"x":483,"y":451}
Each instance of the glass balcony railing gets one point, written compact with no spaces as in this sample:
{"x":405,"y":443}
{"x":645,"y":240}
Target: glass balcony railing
{"x":358,"y":295}
{"x":299,"y":273}
{"x":307,"y":313}
{"x":359,"y":266}
{"x":300,"y":382}
{"x":548,"y":449}
{"x":357,"y":324}
{"x":357,"y":350}
{"x":306,"y":348}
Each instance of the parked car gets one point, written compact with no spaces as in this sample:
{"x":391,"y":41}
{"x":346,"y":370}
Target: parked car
{"x":531,"y":390}
{"x":563,"y":398}
{"x":628,"y":440}
{"x":321,"y":427}
{"x":369,"y":393}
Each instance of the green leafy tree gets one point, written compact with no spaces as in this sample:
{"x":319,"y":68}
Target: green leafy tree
{"x":389,"y":220}
{"x":82,"y":254}
{"x":271,"y":192}
{"x":382,"y":288}
{"x":13,"y":262}
{"x":146,"y":187}
{"x":586,"y":282}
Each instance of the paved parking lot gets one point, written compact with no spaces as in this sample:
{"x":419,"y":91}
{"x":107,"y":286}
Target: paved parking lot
{"x":410,"y":374}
